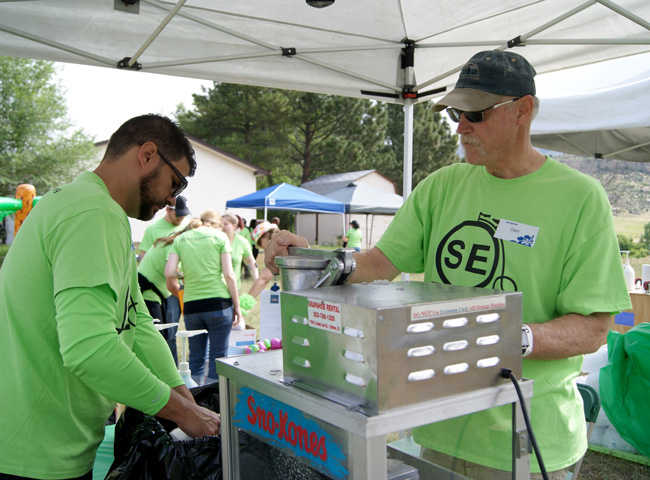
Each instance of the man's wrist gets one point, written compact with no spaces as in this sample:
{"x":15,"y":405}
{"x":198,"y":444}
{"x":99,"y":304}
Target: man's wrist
{"x":526,"y":340}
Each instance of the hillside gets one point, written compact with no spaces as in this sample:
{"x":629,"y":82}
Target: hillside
{"x":627,"y":183}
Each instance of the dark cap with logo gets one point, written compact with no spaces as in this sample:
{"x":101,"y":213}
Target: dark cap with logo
{"x":488,"y":77}
{"x":181,"y":206}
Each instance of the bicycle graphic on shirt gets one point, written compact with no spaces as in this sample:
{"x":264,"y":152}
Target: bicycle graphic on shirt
{"x":471,"y":248}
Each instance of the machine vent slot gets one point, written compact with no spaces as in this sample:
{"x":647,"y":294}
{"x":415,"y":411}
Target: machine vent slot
{"x":303,"y":342}
{"x":352,"y":332}
{"x":299,"y":320}
{"x":488,"y":362}
{"x":421,"y":375}
{"x":455,"y":322}
{"x":455,"y":346}
{"x":456,"y":368}
{"x":354,"y":356}
{"x":354,"y":380}
{"x":420,"y":327}
{"x":420,"y":351}
{"x":489,"y":340}
{"x":302,"y":362}
{"x":487,"y":318}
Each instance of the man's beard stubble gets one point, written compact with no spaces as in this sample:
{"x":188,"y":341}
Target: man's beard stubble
{"x":147,"y":196}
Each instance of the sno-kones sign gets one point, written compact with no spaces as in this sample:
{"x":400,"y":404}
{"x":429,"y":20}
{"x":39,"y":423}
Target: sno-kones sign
{"x":287,"y":427}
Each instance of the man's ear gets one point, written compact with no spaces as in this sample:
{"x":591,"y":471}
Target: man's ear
{"x":525,"y":107}
{"x":146,"y":153}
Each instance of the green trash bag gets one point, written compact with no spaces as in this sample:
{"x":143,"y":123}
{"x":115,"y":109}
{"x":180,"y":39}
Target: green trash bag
{"x":625,"y":385}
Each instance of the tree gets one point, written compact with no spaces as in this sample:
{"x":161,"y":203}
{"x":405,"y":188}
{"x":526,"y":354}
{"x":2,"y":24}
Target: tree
{"x":333,"y":134}
{"x":246,"y":121}
{"x":434,"y":146}
{"x":37,"y":144}
{"x":295,"y":135}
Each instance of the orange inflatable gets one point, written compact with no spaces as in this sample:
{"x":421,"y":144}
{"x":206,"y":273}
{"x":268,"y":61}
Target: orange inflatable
{"x":26,"y":194}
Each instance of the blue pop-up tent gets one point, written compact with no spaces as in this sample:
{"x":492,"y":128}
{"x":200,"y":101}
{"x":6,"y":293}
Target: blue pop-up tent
{"x":285,"y":196}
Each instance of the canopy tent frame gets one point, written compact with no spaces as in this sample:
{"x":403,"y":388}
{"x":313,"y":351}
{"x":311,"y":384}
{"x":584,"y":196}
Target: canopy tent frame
{"x":408,"y":37}
{"x":276,"y":197}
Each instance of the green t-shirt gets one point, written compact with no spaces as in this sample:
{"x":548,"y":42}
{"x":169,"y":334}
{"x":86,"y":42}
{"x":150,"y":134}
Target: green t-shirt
{"x":247,"y":233}
{"x":354,"y":237}
{"x":152,"y":267}
{"x":160,"y":228}
{"x":76,"y":335}
{"x":240,"y":249}
{"x":200,"y":252}
{"x":570,"y":264}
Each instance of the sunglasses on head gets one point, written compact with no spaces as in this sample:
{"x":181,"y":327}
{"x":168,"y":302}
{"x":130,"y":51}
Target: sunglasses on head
{"x":474,"y":117}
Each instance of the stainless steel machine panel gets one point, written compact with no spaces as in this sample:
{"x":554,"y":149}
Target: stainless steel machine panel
{"x":385,"y":345}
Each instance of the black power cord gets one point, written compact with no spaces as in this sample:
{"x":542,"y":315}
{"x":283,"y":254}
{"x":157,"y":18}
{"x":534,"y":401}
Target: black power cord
{"x":507,"y":373}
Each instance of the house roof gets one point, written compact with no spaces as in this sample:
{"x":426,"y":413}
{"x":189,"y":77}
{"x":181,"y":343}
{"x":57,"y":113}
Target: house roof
{"x":329,"y":183}
{"x":259,"y":171}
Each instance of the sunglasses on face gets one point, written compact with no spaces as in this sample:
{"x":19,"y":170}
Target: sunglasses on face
{"x":181,"y":178}
{"x":474,"y":117}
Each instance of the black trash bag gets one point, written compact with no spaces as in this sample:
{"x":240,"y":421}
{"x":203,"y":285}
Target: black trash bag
{"x":144,"y":450}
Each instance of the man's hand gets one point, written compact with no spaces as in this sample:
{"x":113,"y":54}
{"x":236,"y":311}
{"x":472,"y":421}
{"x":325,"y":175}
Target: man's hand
{"x":203,"y":422}
{"x":194,"y":420}
{"x":279,"y":247}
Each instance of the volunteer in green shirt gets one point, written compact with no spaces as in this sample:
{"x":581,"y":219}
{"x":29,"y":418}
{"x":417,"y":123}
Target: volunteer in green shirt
{"x":210,"y":297}
{"x":509,"y":219}
{"x":153,"y":284}
{"x":175,"y":220}
{"x":76,"y":337}
{"x":241,"y":248}
{"x":353,"y":236}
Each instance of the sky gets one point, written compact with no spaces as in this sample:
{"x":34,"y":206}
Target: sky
{"x":100,"y":99}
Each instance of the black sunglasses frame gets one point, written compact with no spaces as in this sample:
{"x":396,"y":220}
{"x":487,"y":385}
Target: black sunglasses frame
{"x":477,"y":116}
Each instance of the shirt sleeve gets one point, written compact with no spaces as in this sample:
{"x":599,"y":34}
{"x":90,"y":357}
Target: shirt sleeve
{"x":147,"y":241}
{"x":93,"y":351}
{"x":151,"y":348}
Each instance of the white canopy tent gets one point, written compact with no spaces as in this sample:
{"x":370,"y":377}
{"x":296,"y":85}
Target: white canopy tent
{"x":401,"y":51}
{"x":612,"y":122}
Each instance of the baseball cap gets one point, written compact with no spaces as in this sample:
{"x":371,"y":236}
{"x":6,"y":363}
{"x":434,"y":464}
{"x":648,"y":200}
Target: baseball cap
{"x":261,"y":229}
{"x":181,"y":206}
{"x":488,"y":77}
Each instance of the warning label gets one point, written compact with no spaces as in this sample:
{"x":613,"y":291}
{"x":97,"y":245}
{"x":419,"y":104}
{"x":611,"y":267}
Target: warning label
{"x":422,"y":312}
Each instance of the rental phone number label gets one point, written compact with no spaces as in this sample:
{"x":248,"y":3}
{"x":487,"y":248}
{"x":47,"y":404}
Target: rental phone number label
{"x":324,"y":315}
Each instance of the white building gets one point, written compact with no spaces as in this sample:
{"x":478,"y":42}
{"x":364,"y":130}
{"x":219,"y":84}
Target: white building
{"x":326,"y":229}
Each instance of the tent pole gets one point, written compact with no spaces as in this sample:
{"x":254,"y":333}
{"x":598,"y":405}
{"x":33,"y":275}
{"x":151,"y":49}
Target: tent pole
{"x":368,"y":233}
{"x":408,"y":155}
{"x":155,"y":33}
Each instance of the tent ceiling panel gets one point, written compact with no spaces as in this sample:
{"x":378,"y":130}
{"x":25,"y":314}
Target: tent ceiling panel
{"x":612,"y":122}
{"x":350,"y":47}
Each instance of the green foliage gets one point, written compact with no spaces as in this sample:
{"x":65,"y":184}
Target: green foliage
{"x":637,"y":250}
{"x":37,"y":144}
{"x":300,"y":136}
{"x":434,"y":146}
{"x":645,"y":238}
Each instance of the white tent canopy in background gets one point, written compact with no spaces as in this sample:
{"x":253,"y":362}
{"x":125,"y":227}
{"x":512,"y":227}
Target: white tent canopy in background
{"x":611,"y":122}
{"x":392,"y":50}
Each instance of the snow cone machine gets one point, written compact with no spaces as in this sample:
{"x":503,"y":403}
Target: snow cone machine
{"x":362,"y":361}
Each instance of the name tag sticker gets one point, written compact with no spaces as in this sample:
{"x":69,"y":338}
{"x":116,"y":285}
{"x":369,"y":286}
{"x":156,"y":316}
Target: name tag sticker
{"x":517,"y":232}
